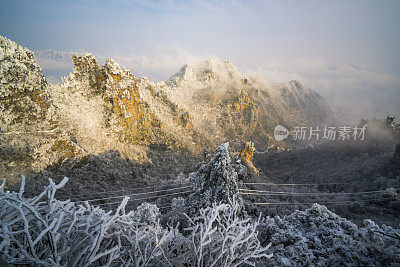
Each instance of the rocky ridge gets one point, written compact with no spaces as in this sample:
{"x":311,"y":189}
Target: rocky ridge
{"x":28,"y":120}
{"x":99,"y":108}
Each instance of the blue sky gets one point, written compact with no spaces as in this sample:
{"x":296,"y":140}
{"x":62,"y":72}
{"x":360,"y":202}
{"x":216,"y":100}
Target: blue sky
{"x":346,"y":50}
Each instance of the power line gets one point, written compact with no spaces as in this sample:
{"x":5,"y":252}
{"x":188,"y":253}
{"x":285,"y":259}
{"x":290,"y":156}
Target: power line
{"x":309,"y":184}
{"x":276,"y":193}
{"x":164,"y":207}
{"x":172,"y":183}
{"x":243,"y":192}
{"x":138,"y":199}
{"x":131,"y":195}
{"x":305,"y":203}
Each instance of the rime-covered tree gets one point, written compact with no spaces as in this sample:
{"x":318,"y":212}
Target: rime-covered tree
{"x":214,"y":182}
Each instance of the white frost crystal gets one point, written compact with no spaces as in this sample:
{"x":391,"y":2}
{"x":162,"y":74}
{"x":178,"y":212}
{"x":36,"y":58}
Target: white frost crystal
{"x":113,"y":66}
{"x":18,"y":69}
{"x":146,"y":213}
{"x":19,"y":77}
{"x":319,"y":237}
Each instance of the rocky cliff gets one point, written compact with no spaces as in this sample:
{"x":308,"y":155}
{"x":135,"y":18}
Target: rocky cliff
{"x":28,"y":122}
{"x":223,"y":104}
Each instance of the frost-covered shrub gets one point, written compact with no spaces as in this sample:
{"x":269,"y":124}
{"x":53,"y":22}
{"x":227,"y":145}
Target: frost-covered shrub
{"x":146,"y":213}
{"x":47,"y":232}
{"x":214,"y":182}
{"x":175,"y":215}
{"x":178,"y":203}
{"x":318,"y":236}
{"x":219,"y":237}
{"x":240,"y":169}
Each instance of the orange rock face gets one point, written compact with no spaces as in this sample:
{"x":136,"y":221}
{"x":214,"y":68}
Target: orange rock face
{"x":242,"y":101}
{"x":246,"y":156}
{"x":132,"y":120}
{"x":125,"y":102}
{"x":247,"y":152}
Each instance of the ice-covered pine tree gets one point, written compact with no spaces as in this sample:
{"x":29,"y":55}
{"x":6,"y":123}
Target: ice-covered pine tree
{"x":214,"y":182}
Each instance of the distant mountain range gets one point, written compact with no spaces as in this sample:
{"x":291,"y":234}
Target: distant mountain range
{"x":98,"y":108}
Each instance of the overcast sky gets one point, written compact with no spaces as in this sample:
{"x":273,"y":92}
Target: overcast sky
{"x":348,"y":51}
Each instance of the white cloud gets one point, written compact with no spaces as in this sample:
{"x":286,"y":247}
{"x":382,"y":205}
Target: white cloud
{"x":54,"y":60}
{"x":356,"y":90}
{"x":164,"y":61}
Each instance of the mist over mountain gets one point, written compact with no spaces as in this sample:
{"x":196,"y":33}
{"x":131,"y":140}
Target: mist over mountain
{"x":55,"y":64}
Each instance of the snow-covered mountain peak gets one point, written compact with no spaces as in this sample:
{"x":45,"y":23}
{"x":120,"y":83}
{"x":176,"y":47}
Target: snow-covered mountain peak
{"x":206,"y":73}
{"x":113,"y":67}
